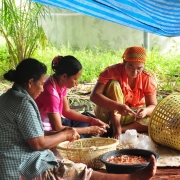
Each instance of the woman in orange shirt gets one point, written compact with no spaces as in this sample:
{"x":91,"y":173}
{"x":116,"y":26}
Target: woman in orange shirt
{"x":125,"y":94}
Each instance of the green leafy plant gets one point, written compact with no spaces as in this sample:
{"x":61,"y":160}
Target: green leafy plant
{"x":163,"y":66}
{"x":19,"y":26}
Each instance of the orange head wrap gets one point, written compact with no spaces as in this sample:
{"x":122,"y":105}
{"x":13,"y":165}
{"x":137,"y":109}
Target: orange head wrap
{"x":135,"y":54}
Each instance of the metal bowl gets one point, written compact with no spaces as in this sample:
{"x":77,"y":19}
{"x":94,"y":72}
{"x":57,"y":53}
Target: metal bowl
{"x":123,"y":168}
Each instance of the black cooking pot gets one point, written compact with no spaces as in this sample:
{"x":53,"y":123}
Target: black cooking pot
{"x":124,"y":168}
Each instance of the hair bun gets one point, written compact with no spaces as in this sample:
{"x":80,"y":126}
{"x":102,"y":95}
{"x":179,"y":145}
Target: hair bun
{"x":56,"y":60}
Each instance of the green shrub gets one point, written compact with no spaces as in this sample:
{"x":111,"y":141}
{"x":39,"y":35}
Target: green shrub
{"x":165,"y":67}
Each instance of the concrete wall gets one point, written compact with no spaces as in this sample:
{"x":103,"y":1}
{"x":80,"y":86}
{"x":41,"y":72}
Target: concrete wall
{"x":77,"y":30}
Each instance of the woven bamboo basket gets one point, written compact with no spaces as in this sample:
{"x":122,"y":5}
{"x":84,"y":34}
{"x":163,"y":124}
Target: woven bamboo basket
{"x":87,"y":150}
{"x":164,"y":125}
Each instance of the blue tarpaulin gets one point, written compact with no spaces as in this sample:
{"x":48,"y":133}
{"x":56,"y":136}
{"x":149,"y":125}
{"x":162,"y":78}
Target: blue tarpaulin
{"x":160,"y":17}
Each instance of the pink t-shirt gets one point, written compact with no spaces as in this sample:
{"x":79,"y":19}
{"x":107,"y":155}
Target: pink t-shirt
{"x":50,"y":101}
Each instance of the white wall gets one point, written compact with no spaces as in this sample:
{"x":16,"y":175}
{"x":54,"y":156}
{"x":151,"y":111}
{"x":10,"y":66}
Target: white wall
{"x":79,"y":30}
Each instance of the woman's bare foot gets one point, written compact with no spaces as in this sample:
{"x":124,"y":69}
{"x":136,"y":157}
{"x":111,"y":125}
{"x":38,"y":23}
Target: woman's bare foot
{"x":115,"y":125}
{"x":148,"y":172}
{"x":116,"y":132}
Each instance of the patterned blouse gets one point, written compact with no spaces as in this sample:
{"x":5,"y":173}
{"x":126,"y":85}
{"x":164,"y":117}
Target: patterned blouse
{"x":19,"y":121}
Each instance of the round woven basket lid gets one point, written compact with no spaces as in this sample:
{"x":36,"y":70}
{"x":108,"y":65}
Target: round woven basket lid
{"x":164,"y":125}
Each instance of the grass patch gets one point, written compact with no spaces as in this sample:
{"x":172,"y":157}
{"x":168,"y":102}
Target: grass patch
{"x":164,"y":67}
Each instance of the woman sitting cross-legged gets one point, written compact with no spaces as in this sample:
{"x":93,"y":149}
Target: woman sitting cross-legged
{"x":125,"y":94}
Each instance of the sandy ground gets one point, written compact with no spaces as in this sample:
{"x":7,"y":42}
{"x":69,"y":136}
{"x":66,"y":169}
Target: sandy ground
{"x":78,"y":96}
{"x":4,"y":86}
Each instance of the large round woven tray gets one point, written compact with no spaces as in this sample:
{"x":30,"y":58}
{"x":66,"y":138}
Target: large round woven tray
{"x":88,"y":150}
{"x":164,"y":125}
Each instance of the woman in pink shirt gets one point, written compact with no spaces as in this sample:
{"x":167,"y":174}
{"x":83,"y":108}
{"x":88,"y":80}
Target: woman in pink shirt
{"x":125,"y":93}
{"x":53,"y":104}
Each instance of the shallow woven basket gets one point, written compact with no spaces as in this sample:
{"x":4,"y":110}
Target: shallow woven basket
{"x":88,"y":150}
{"x":164,"y":126}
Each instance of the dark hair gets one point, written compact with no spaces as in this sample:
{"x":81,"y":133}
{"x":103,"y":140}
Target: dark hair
{"x":25,"y":70}
{"x":66,"y":65}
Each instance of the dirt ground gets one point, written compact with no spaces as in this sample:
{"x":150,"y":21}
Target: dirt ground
{"x":81,"y":89}
{"x":4,"y":85}
{"x":78,"y":96}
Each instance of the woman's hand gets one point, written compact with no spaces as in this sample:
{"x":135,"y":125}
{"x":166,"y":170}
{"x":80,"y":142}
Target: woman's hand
{"x":97,"y":122}
{"x":125,"y":110}
{"x":71,"y":134}
{"x":141,"y":113}
{"x":96,"y":130}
